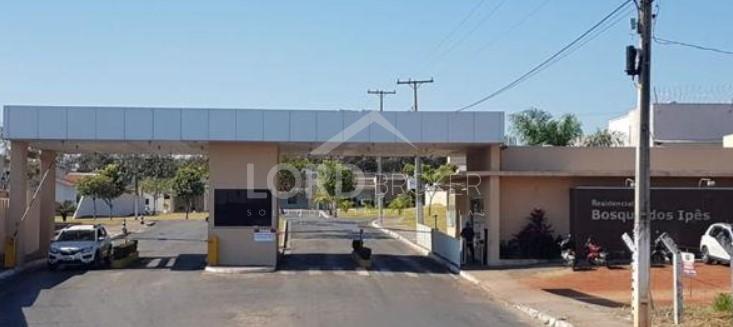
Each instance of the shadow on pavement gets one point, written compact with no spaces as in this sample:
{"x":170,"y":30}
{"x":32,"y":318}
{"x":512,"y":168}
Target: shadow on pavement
{"x":584,"y":297}
{"x":22,"y":291}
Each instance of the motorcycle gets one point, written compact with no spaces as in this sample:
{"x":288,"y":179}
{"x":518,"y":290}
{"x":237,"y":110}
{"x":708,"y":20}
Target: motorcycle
{"x":660,"y":253}
{"x":595,"y":254}
{"x":567,"y":250}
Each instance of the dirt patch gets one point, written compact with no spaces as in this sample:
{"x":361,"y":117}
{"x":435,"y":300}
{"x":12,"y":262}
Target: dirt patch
{"x":612,"y":287}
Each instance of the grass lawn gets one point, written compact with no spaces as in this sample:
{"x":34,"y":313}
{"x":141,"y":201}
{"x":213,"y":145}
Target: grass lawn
{"x":117,"y":220}
{"x":407,"y":217}
{"x":694,"y":315}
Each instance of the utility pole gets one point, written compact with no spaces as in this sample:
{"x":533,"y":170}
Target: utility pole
{"x":418,"y":162}
{"x":378,"y":194}
{"x":414,"y":85}
{"x":642,"y":229}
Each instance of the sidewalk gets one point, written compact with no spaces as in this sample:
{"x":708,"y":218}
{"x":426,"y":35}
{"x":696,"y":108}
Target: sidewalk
{"x":504,"y":285}
{"x":395,"y":225}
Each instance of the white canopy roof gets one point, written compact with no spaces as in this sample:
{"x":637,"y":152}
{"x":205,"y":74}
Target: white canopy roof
{"x":79,"y":129}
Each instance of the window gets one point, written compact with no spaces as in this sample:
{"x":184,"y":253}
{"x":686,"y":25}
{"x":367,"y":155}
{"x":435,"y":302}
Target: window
{"x":715,"y":231}
{"x":293,"y":200}
{"x":76,"y":235}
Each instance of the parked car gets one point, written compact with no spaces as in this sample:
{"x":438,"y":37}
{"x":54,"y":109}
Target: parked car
{"x":716,"y":242}
{"x":88,"y":245}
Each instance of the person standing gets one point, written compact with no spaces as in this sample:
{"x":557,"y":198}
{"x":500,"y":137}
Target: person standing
{"x":468,"y":235}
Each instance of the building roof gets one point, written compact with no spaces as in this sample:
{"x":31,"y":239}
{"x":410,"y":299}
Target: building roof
{"x":188,"y":130}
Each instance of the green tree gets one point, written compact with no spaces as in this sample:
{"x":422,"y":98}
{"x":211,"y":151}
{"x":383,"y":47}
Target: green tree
{"x":92,"y":186}
{"x":603,"y":138}
{"x":156,"y":187}
{"x":345,"y":205}
{"x":334,"y":179}
{"x":538,"y":127}
{"x":433,"y":179}
{"x":65,"y":209}
{"x":113,"y":185}
{"x":188,"y":183}
{"x":401,"y":202}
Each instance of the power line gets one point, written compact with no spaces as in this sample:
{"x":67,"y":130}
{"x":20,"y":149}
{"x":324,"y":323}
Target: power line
{"x":440,"y":55}
{"x":516,"y":25}
{"x":460,"y":24}
{"x":552,"y":59}
{"x":662,"y":41}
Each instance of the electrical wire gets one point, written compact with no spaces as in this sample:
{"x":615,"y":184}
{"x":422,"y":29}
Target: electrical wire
{"x":460,"y":24}
{"x":663,"y":41}
{"x":516,"y":25}
{"x":465,"y":36}
{"x":569,"y":48}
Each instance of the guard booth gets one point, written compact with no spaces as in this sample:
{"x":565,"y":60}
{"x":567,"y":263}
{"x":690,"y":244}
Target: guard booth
{"x":244,"y":148}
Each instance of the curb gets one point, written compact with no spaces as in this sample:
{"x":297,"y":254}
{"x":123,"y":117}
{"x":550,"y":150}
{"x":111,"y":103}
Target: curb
{"x":545,"y":318}
{"x":237,"y":270}
{"x":401,"y":238}
{"x":32,"y":265}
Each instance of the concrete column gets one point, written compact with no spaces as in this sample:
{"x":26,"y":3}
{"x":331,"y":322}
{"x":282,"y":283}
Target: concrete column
{"x":47,"y":200}
{"x":494,"y":206}
{"x":242,"y":166}
{"x":418,"y":191}
{"x":18,"y":194}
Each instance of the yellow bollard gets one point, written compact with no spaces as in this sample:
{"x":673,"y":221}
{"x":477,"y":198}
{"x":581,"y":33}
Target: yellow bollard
{"x":9,"y":252}
{"x":213,"y":250}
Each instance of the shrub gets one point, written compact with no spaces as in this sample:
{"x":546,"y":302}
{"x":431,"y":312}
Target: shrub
{"x":535,"y":239}
{"x":723,"y":303}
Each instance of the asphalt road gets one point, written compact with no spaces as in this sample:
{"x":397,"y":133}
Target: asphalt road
{"x":317,"y":284}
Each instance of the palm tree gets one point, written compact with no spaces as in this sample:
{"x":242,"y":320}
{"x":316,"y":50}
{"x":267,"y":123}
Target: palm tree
{"x":65,"y":209}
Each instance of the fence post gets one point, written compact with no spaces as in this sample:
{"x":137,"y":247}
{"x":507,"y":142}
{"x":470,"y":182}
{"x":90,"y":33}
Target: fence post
{"x":678,"y":291}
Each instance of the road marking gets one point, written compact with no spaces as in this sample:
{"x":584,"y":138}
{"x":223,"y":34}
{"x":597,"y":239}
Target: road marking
{"x":340,"y":272}
{"x":362,"y":272}
{"x":153,"y":263}
{"x":286,"y":272}
{"x":314,"y":272}
{"x":385,"y":272}
{"x":170,"y":263}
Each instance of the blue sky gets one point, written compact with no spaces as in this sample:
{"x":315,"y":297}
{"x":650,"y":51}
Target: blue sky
{"x":326,"y":54}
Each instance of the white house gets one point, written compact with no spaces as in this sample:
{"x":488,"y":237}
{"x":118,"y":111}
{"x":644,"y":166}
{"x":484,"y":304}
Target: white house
{"x":679,"y":123}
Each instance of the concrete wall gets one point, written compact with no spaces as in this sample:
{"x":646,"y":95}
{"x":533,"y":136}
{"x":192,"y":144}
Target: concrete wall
{"x":65,"y":193}
{"x":674,"y":161}
{"x":227,"y":169}
{"x":123,"y":205}
{"x":541,"y":177}
{"x":680,"y":123}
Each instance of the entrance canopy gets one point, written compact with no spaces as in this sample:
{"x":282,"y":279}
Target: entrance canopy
{"x":189,"y":130}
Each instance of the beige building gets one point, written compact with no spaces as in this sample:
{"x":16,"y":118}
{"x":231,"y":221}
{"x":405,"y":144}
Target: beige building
{"x":511,"y":181}
{"x":501,"y":185}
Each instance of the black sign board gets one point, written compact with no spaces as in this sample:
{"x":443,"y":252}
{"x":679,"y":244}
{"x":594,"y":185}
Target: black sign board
{"x":242,"y":207}
{"x":684,"y":213}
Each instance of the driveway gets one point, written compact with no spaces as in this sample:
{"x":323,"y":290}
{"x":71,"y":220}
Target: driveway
{"x":317,"y":285}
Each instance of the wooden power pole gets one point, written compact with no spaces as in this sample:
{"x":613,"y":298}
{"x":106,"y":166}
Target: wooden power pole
{"x":418,"y":162}
{"x":378,"y":194}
